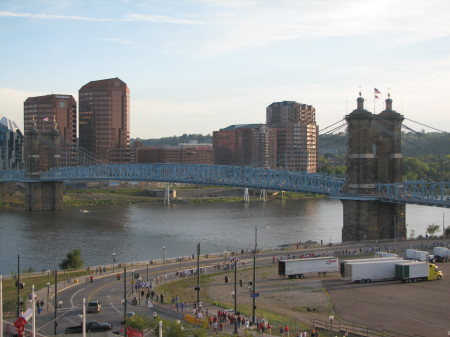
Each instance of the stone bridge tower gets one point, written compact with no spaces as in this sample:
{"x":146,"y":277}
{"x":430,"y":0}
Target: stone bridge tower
{"x":374,"y":156}
{"x":42,"y":195}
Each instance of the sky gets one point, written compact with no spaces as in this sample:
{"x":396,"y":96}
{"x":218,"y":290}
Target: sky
{"x":196,"y":66}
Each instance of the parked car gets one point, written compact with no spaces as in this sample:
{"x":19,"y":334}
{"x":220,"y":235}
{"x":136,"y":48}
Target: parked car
{"x":94,"y":306}
{"x":128,"y":317}
{"x":90,"y":327}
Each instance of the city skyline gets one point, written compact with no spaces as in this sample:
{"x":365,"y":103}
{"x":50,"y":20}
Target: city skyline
{"x":198,"y":66}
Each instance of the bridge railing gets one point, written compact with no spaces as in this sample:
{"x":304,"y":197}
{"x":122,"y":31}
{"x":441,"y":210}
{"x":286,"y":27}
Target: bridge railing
{"x":221,"y":175}
{"x":419,"y":192}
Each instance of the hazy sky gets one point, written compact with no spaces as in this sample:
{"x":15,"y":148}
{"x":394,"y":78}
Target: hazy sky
{"x":196,"y":66}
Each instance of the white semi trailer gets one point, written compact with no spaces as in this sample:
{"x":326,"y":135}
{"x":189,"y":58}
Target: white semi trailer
{"x":369,"y":271}
{"x":297,"y":268}
{"x":345,"y":262}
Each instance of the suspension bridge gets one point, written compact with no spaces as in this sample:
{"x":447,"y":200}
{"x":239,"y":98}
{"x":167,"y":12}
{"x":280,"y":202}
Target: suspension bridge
{"x":372,"y":192}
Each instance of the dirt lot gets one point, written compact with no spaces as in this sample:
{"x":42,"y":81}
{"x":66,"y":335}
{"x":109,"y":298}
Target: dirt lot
{"x":422,"y":308}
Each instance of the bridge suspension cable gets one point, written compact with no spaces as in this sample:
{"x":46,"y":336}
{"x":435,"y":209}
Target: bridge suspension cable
{"x":73,"y":154}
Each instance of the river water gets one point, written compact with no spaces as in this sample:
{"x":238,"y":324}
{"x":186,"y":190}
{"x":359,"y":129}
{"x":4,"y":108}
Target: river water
{"x":139,"y":232}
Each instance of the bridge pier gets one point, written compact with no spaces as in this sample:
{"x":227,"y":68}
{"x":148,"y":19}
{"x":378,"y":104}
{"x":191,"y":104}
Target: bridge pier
{"x":372,"y":220}
{"x":42,"y":195}
{"x":374,"y":156}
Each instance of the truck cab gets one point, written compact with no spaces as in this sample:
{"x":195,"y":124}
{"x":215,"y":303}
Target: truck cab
{"x":434,"y":273}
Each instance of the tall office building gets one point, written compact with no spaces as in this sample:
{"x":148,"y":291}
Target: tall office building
{"x":42,"y":112}
{"x":297,"y":133}
{"x":11,"y":145}
{"x":245,"y":145}
{"x":104,"y":119}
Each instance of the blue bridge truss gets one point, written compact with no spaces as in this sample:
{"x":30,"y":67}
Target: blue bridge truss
{"x":432,"y":194}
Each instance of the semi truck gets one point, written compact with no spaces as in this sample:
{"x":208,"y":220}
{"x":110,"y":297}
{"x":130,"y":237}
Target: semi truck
{"x":441,"y":254}
{"x":417,"y":271}
{"x":297,"y":268}
{"x":384,"y":270}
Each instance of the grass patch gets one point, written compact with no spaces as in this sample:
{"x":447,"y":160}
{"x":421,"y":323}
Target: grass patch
{"x":39,"y":281}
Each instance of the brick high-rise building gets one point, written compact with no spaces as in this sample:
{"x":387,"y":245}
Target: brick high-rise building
{"x":246,"y":145}
{"x":104,"y":119}
{"x":185,"y":153}
{"x":42,"y":112}
{"x":297,"y":135}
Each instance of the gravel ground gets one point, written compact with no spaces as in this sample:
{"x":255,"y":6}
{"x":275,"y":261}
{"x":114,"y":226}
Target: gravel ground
{"x":421,"y":308}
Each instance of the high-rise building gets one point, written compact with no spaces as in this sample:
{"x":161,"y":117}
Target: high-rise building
{"x":42,"y":112}
{"x":104,"y":119}
{"x":184,"y":153}
{"x":11,"y":145}
{"x":297,"y":148}
{"x":245,"y":145}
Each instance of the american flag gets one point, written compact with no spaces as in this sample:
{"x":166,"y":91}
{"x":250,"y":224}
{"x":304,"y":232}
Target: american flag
{"x":376,"y":91}
{"x":45,"y":119}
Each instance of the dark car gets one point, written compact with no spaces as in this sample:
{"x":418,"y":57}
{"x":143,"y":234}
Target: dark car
{"x":94,"y":306}
{"x":90,"y":327}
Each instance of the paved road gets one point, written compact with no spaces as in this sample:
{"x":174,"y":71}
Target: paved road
{"x":355,"y":303}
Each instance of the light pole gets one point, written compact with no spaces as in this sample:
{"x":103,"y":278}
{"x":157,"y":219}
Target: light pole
{"x":164,"y":254}
{"x":139,"y":289}
{"x":254,"y":295}
{"x":331,"y":318}
{"x":48,"y":295}
{"x":84,"y":318}
{"x":1,"y":305}
{"x":114,"y":261}
{"x":33,"y":306}
{"x":235,"y":297}
{"x":254,"y":278}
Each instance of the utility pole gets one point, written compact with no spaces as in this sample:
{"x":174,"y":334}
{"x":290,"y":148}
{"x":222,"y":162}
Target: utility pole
{"x":254,"y":278}
{"x":18,"y":285}
{"x":125,"y":298}
{"x":235,"y":297}
{"x":198,"y":275}
{"x":56,"y":300}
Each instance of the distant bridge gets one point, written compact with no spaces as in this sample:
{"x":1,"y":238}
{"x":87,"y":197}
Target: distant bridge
{"x":423,"y":193}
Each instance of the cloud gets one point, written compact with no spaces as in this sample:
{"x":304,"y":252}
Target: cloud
{"x":115,"y":40}
{"x":393,"y":21}
{"x":128,"y":18}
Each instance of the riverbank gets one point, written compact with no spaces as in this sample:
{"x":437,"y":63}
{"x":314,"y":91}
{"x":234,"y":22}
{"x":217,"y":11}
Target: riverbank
{"x":126,"y":196}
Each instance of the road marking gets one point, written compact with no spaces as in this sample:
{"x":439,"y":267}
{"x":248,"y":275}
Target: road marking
{"x":71,"y":298}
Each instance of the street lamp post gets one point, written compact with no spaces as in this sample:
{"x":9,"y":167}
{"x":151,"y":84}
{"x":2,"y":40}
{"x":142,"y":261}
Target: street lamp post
{"x":48,"y":295}
{"x":235,"y":297}
{"x":164,"y":254}
{"x":84,"y":318}
{"x":331,"y":318}
{"x":139,"y":289}
{"x":114,"y":261}
{"x":254,"y":277}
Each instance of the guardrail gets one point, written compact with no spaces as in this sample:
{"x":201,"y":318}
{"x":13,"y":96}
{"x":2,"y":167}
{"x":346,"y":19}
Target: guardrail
{"x":352,"y":330}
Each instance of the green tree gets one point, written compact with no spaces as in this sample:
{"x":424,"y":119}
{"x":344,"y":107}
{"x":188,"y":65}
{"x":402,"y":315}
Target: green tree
{"x":142,"y":322}
{"x":72,"y":260}
{"x":433,"y":229}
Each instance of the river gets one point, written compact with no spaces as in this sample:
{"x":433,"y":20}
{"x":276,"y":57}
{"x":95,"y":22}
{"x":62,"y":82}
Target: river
{"x":139,"y":232}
